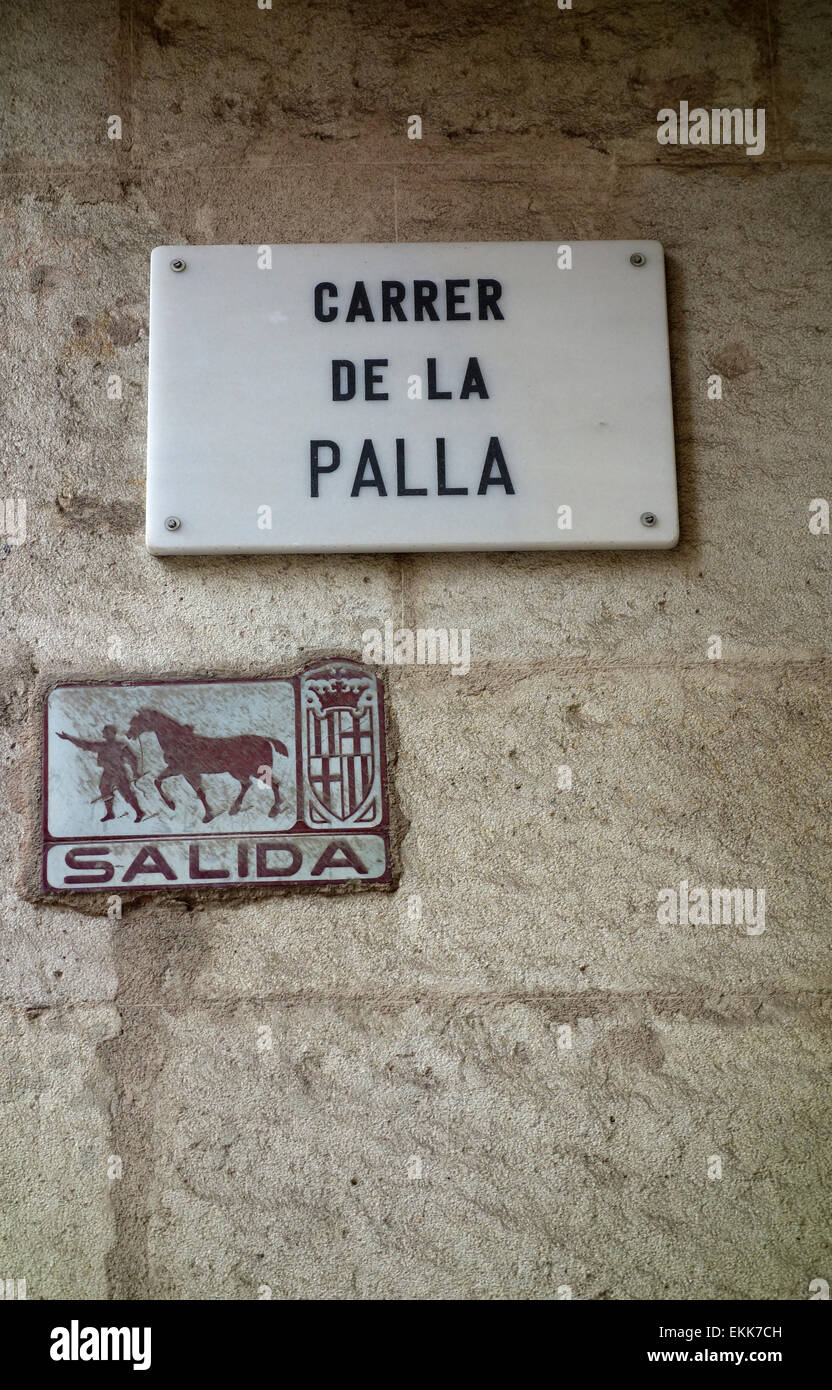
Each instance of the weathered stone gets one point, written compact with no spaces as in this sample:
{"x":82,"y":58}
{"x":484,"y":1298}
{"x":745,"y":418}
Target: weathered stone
{"x":425,"y":1037}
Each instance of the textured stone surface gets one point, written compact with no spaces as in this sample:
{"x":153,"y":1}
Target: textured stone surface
{"x":446,"y":1151}
{"x":55,"y":1096}
{"x":273,"y":1074}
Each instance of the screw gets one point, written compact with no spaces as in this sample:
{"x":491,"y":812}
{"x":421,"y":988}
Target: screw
{"x":172,"y":523}
{"x":648,"y":518}
{"x":635,"y":259}
{"x":178,"y":265}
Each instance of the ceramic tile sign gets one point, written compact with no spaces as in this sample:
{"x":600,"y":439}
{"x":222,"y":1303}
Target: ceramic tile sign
{"x":479,"y":396}
{"x":214,"y":783}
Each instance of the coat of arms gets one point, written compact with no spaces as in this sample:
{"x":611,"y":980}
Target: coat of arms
{"x":149,"y":784}
{"x":341,"y":746}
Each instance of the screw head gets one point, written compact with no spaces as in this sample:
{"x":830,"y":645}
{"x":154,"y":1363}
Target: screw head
{"x":638,"y":259}
{"x":172,"y":523}
{"x":648,"y":518}
{"x":178,"y":265}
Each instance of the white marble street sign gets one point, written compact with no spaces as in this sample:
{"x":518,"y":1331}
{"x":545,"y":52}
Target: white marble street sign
{"x":214,"y":783}
{"x":479,"y":396}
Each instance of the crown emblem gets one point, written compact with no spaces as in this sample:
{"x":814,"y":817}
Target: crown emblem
{"x":337,"y":694}
{"x":338,"y":688}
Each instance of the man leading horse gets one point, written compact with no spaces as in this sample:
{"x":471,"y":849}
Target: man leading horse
{"x":117,"y":763}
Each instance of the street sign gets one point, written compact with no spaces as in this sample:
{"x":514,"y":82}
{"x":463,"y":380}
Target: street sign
{"x":479,"y":396}
{"x":216,"y":783}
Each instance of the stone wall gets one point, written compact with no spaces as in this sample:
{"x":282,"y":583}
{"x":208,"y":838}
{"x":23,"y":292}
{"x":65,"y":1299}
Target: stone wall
{"x":523,"y":1091}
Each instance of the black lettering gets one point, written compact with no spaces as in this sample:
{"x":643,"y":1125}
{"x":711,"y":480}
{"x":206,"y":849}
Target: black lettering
{"x":322,"y":314}
{"x":315,"y":446}
{"x":433,"y":393}
{"x":360,"y":305}
{"x":368,"y":460}
{"x":492,"y":457}
{"x":489,"y":292}
{"x":392,"y":294}
{"x":371,"y":378}
{"x":343,"y":391}
{"x":454,"y":295}
{"x":401,"y":485}
{"x":441,"y":483}
{"x":424,"y":298}
{"x":474,"y":381}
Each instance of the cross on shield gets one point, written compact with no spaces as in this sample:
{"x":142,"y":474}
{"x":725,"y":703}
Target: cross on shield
{"x":341,"y":758}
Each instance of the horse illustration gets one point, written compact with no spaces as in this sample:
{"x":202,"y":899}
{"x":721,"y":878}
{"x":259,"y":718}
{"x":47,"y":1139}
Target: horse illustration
{"x":189,"y":755}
